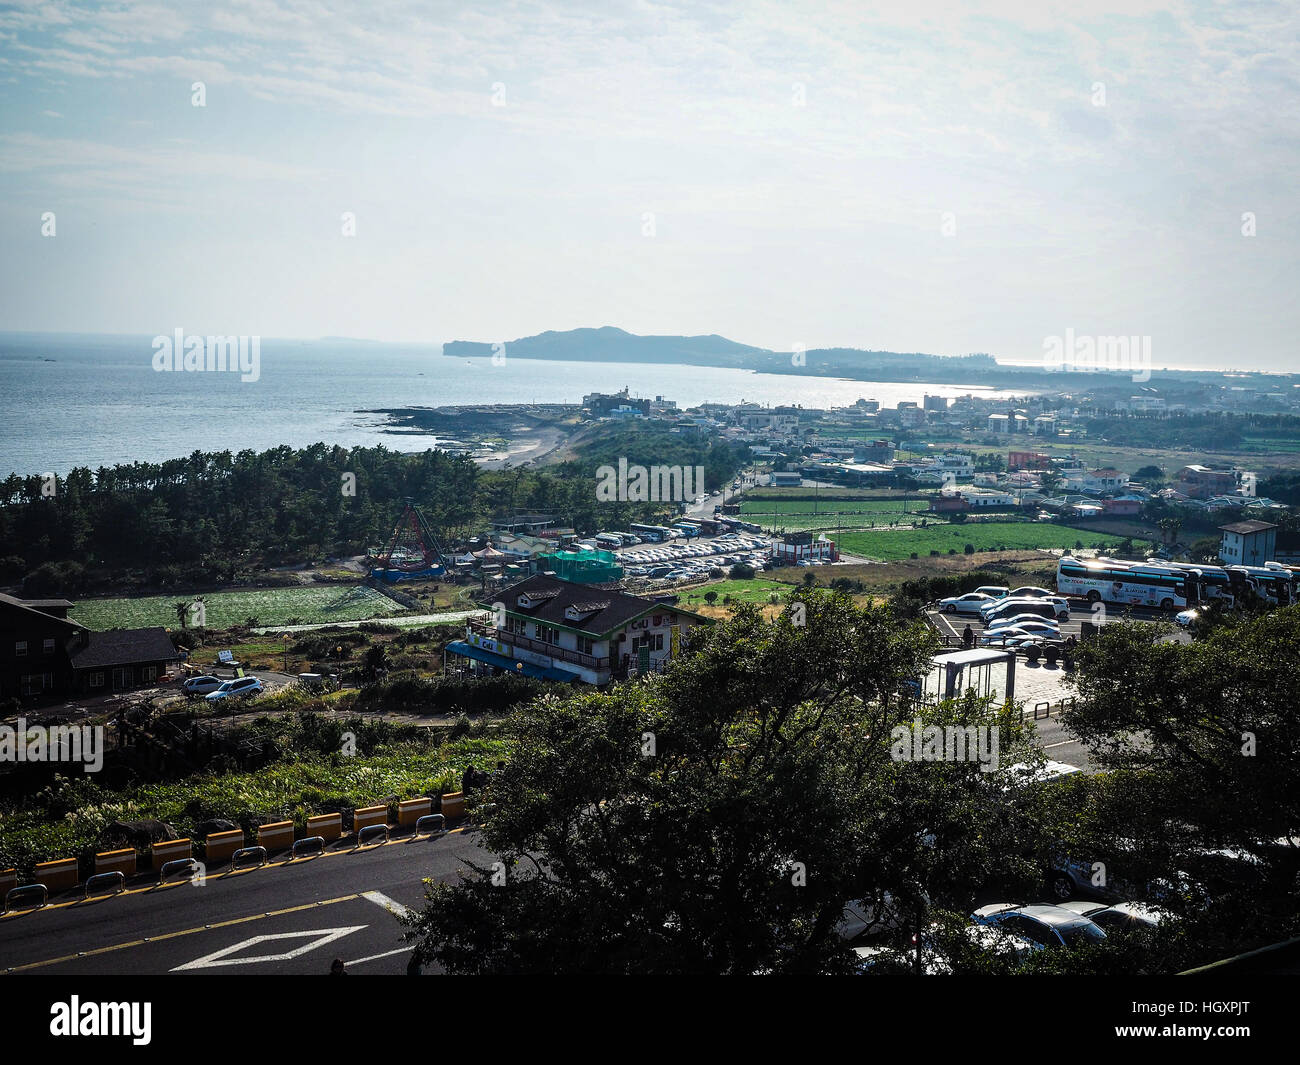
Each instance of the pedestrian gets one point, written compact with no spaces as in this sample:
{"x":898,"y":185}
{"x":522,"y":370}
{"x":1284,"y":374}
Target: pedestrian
{"x":968,"y":637}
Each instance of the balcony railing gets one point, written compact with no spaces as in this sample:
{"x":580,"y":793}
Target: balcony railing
{"x":552,"y":650}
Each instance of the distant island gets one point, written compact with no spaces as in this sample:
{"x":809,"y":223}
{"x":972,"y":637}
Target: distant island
{"x":611,"y":344}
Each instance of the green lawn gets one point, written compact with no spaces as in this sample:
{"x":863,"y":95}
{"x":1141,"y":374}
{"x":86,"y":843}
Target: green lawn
{"x":984,"y":536}
{"x":311,"y":604}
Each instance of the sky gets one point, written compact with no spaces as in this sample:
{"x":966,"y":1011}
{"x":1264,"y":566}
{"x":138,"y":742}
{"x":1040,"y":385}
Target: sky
{"x":923,"y":176}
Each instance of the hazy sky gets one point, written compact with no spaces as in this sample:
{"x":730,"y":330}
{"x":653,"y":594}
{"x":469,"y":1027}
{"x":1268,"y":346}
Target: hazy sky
{"x":1092,"y":160}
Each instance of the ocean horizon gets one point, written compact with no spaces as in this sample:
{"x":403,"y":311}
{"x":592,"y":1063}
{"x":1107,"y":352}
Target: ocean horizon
{"x":71,"y":399}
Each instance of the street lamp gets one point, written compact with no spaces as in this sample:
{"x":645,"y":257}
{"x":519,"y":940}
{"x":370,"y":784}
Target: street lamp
{"x":285,"y":637}
{"x":338,"y":663}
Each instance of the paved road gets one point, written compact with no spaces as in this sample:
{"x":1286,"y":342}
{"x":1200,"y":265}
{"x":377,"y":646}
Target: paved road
{"x":405,"y":621}
{"x":283,"y":919}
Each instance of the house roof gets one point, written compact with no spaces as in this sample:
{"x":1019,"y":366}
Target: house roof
{"x":125,"y":647}
{"x":1245,"y":527}
{"x":33,"y":607}
{"x":553,"y":597}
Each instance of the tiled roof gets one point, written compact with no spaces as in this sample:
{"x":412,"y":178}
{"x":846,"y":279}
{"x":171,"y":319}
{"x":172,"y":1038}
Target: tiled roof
{"x":125,"y":647}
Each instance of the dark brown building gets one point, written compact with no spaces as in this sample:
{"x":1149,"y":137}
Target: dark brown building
{"x":43,"y":654}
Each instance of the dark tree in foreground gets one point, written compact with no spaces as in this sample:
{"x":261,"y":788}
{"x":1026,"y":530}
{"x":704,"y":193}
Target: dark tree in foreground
{"x":716,"y":818}
{"x":1201,"y":803}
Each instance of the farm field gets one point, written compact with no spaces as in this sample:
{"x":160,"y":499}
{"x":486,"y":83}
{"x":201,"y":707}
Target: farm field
{"x":755,"y":590}
{"x":984,"y":536}
{"x":271,"y":606}
{"x":833,"y":514}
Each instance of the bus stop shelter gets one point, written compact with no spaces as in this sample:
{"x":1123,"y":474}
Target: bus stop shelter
{"x":988,"y":671}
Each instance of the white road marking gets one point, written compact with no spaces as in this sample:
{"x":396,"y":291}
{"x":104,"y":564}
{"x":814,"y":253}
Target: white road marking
{"x":1063,"y":743}
{"x":391,"y":905}
{"x":221,"y":957}
{"x":376,"y":957}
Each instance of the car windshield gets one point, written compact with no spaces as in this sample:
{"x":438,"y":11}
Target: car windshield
{"x":1079,"y":934}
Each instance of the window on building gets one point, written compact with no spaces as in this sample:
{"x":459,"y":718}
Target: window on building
{"x":20,"y":649}
{"x":149,"y":674}
{"x":586,"y":645}
{"x":49,"y":646}
{"x":547,"y":634}
{"x":95,"y":680}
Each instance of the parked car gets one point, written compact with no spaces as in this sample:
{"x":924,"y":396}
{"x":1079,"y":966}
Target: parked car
{"x":1186,"y":617}
{"x":239,"y":688}
{"x":969,"y":603}
{"x":994,"y":591}
{"x":1026,"y":622}
{"x":1052,"y":926}
{"x":196,"y":686}
{"x":1030,"y":591}
{"x":1126,"y":916}
{"x":1015,"y":637}
{"x":1046,"y":608}
{"x":984,"y":937}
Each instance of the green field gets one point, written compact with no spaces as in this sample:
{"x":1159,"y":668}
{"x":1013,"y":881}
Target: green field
{"x":984,"y":536}
{"x":750,"y":591}
{"x":312,"y":604}
{"x":796,"y":514}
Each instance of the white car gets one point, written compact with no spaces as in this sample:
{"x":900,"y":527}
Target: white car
{"x":1030,"y":591}
{"x":1186,"y":617}
{"x":969,"y":603}
{"x":1010,"y":639}
{"x":239,"y":688}
{"x":196,"y":686}
{"x":1028,"y":622}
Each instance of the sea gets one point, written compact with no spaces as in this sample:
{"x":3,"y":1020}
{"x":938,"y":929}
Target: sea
{"x":69,"y":400}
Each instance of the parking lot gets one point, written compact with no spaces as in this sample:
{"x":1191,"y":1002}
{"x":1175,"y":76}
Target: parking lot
{"x":692,"y":559}
{"x":1080,"y":611}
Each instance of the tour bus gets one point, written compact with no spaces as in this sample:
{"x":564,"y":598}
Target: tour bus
{"x":1135,"y":583}
{"x":1213,"y":582}
{"x":653,"y":533}
{"x":686,"y":530}
{"x":609,"y":541}
{"x":1272,"y":581}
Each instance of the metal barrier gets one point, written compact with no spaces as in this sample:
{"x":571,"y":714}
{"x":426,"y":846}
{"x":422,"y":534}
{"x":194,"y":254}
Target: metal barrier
{"x":113,"y":876}
{"x":431,"y":825}
{"x":371,"y":831}
{"x":14,"y":893}
{"x":175,"y":866}
{"x":1046,"y":709}
{"x":314,"y":841}
{"x":244,"y":852}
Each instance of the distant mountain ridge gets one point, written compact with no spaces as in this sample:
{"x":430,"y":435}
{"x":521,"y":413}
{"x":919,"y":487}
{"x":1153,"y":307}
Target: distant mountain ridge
{"x":611,"y":344}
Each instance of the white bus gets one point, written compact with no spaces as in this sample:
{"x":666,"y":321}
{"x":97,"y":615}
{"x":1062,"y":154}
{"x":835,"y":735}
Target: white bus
{"x":1135,"y":583}
{"x":1272,"y":581}
{"x":1212,"y":582}
{"x":609,"y":541}
{"x":654,"y":534}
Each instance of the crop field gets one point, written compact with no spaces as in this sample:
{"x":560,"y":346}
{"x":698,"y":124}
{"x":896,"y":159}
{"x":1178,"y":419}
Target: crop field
{"x":309,"y":604}
{"x":796,"y":514}
{"x":983,"y":536}
{"x":756,"y":590}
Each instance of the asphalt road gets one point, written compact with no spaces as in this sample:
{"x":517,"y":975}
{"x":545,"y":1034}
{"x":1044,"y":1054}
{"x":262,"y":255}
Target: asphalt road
{"x":282,"y":919}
